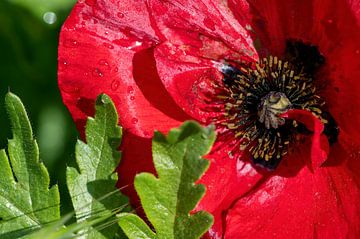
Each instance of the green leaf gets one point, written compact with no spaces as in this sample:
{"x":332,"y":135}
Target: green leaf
{"x":135,"y":227}
{"x":26,"y":202}
{"x":74,"y":230}
{"x":168,"y":199}
{"x":92,"y":189}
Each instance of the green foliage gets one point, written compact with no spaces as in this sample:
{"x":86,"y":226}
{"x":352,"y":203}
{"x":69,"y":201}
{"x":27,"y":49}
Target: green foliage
{"x":92,"y":189}
{"x":29,"y":209}
{"x":168,"y":199}
{"x":39,"y":7}
{"x":28,"y":66}
{"x":75,"y":230}
{"x":26,"y":202}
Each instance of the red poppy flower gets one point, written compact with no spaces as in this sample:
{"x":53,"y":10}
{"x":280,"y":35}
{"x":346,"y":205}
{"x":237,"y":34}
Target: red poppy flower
{"x":279,"y":79}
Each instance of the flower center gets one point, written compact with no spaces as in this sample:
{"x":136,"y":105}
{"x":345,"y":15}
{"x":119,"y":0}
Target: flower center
{"x":256,"y":96}
{"x":271,"y":107}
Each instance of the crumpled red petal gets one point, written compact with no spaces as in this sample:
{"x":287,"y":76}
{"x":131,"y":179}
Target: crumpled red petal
{"x":98,"y":51}
{"x":186,"y":22}
{"x":320,"y":145}
{"x":195,"y":38}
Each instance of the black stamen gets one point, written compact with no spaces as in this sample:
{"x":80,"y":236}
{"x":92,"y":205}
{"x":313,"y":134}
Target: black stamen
{"x":255,"y":97}
{"x":270,"y":165}
{"x":230,"y":75}
{"x":304,"y":56}
{"x":331,"y":128}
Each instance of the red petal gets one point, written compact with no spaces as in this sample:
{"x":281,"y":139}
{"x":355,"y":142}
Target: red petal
{"x":320,"y":205}
{"x":186,"y":22}
{"x":333,"y":26}
{"x":99,"y":48}
{"x":320,"y":145}
{"x":136,"y":158}
{"x":186,"y":80}
{"x":196,"y":37}
{"x":227,"y":179}
{"x":340,"y":43}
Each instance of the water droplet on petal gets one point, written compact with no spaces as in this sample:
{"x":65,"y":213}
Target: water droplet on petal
{"x":104,"y":63}
{"x":135,"y":45}
{"x":132,"y":98}
{"x":70,"y":89}
{"x":130,"y":90}
{"x":134,"y":120}
{"x":116,"y":69}
{"x":71,"y":43}
{"x":63,"y":62}
{"x":110,"y":46}
{"x":96,"y":72}
{"x":115,"y":85}
{"x":120,"y":15}
{"x":147,"y":134}
{"x":357,"y":51}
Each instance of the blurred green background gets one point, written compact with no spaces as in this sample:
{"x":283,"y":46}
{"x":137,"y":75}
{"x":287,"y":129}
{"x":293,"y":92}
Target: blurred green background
{"x":29,"y":31}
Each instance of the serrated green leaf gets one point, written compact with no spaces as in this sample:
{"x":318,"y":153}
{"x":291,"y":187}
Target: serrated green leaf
{"x":135,"y":227}
{"x":97,"y":160}
{"x":26,"y":202}
{"x":168,"y":199}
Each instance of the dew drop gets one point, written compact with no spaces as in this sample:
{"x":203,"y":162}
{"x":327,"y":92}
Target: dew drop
{"x":63,"y":62}
{"x":116,"y":69}
{"x":130,"y":90}
{"x":96,"y":72}
{"x":120,"y":15}
{"x":104,"y":62}
{"x":357,"y":51}
{"x":110,"y":46}
{"x":71,"y":43}
{"x":132,"y":98}
{"x":115,"y":85}
{"x":70,"y":90}
{"x":134,"y":120}
{"x":147,"y":134}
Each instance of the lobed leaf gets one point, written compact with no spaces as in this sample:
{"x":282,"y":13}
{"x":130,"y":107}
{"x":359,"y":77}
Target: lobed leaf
{"x":92,"y":187}
{"x":168,"y":199}
{"x":26,"y":202}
